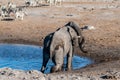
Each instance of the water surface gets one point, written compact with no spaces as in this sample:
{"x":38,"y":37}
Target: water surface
{"x":29,"y":57}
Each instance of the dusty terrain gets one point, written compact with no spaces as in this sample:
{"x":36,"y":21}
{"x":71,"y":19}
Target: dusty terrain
{"x":103,"y":43}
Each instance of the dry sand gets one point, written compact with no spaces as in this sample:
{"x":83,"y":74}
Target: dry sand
{"x":103,"y":43}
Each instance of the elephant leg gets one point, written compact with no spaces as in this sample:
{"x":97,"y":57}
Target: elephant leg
{"x":45,"y":61}
{"x":58,"y":60}
{"x":69,"y":59}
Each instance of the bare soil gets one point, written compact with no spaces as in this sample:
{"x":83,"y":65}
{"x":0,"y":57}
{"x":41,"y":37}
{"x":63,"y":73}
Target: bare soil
{"x":102,"y":44}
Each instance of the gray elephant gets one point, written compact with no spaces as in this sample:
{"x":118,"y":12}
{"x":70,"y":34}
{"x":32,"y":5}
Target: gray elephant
{"x":61,"y":43}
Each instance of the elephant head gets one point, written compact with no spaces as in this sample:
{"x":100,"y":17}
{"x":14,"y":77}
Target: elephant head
{"x":81,"y":39}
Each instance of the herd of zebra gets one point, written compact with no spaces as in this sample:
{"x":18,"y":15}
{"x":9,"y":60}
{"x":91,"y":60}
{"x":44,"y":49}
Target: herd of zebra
{"x":17,"y":12}
{"x":38,"y":2}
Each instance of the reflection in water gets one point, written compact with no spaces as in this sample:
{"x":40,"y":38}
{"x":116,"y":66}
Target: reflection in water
{"x":29,"y":57}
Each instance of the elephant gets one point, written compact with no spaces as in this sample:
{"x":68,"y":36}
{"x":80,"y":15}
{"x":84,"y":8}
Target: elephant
{"x":61,"y":43}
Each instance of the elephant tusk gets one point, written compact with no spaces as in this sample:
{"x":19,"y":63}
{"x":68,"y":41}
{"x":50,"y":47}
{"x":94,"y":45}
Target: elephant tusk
{"x":79,"y":37}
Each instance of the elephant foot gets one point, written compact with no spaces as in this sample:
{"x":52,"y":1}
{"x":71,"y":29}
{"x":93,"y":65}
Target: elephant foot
{"x":42,"y":70}
{"x":55,"y":69}
{"x":68,"y":69}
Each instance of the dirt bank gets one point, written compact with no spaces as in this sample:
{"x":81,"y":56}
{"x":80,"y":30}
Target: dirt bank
{"x":103,"y":43}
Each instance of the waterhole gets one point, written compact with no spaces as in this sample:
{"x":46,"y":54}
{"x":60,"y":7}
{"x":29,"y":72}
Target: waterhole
{"x":29,"y":57}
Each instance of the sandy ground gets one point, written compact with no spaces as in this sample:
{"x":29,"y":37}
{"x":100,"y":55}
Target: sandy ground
{"x":103,"y":43}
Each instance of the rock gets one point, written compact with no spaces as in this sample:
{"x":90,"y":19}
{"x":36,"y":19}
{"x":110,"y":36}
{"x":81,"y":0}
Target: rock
{"x":117,"y":75}
{"x":10,"y":74}
{"x":88,"y":27}
{"x":107,"y":77}
{"x":69,"y":15}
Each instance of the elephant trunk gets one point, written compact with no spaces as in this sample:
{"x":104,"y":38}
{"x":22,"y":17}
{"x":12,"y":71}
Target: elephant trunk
{"x":81,"y":42}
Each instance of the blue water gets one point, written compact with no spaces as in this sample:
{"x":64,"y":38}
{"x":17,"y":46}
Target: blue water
{"x":29,"y":57}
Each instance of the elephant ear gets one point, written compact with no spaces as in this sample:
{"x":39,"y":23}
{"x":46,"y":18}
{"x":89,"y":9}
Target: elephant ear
{"x":78,"y":31}
{"x":75,"y":27}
